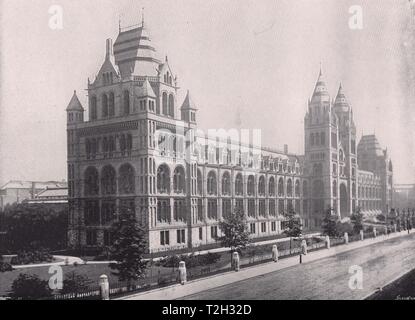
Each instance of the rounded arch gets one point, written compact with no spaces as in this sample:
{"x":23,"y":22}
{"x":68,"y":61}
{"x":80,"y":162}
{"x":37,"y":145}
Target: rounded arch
{"x":212,"y":185}
{"x":344,"y":203}
{"x":281,"y":192}
{"x":164,"y":103}
{"x":199,"y":182}
{"x":297,"y":188}
{"x":126,"y":97}
{"x":261,"y":186}
{"x":226,"y":184}
{"x":91,"y":178}
{"x":111,"y":104}
{"x":179,"y":180}
{"x":171,"y":105}
{"x":163,"y":179}
{"x":289,"y":188}
{"x":239,"y":185}
{"x":94,"y":111}
{"x":108,"y":180}
{"x":271,"y":186}
{"x":126,"y":183}
{"x":251,"y":186}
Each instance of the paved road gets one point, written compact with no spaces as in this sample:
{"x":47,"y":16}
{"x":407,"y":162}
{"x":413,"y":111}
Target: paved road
{"x":327,"y":278}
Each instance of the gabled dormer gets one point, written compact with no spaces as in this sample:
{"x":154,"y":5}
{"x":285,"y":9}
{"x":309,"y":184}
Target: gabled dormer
{"x":108,"y":74}
{"x":166,"y":74}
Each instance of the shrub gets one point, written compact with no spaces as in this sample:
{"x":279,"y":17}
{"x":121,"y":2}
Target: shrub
{"x":192,"y":261}
{"x":4,"y":266}
{"x":343,"y":227}
{"x":75,"y":283}
{"x":32,"y":257}
{"x":381,"y":218}
{"x":29,"y":287}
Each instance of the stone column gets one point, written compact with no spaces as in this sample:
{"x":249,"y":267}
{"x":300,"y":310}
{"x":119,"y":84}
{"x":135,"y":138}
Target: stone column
{"x":375,"y":233}
{"x":304,"y":247}
{"x":236,"y":262}
{"x":362,"y":235}
{"x":328,"y":242}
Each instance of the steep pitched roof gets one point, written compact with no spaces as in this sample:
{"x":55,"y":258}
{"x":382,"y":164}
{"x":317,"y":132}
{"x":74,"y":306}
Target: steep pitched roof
{"x":75,"y":104}
{"x":188,"y":102}
{"x":146,"y":90}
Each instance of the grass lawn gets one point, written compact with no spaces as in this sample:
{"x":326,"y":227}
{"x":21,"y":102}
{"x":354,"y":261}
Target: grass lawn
{"x":402,"y":288}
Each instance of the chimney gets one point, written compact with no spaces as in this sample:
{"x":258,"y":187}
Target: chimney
{"x":109,"y":49}
{"x":285,"y":148}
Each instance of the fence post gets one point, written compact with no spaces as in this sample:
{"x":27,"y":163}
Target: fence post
{"x":236,"y":261}
{"x":362,"y":235}
{"x":275,"y":253}
{"x":395,"y":228}
{"x":386,"y":231}
{"x":304,"y":249}
{"x":346,"y":238}
{"x":328,"y":242}
{"x":104,"y":287}
{"x":374,"y":233}
{"x":182,"y":272}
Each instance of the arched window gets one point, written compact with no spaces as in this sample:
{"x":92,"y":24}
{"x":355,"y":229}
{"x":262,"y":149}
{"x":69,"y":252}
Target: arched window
{"x":281,"y":187}
{"x":111,"y":146}
{"x":271,"y":186}
{"x":108,"y":181}
{"x":163,"y":179}
{"x":199,"y":182}
{"x":91,"y":182}
{"x":171,"y":106}
{"x":305,"y":189}
{"x":261,"y":186}
{"x":104,"y":106}
{"x":212,"y":187}
{"x":226,"y":184}
{"x":126,"y":183}
{"x":164,"y":103}
{"x":105,"y":146}
{"x":123,"y":144}
{"x":323,"y":138}
{"x":334,"y":188}
{"x":341,"y":155}
{"x":94,"y":112}
{"x":317,"y":142}
{"x":88,"y":149}
{"x":179,"y":180}
{"x":126,"y":102}
{"x":289,"y":188}
{"x":111,"y":105}
{"x":297,"y":189}
{"x":354,"y":190}
{"x":129,"y":143}
{"x":317,"y":169}
{"x":312,"y":141}
{"x":239,"y":185}
{"x":251,"y":186}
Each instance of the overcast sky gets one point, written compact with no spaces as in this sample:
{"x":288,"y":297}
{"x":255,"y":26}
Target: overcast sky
{"x":250,"y":63}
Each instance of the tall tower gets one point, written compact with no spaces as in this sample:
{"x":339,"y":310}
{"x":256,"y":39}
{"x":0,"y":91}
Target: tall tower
{"x":346,"y":156}
{"x":319,"y":124}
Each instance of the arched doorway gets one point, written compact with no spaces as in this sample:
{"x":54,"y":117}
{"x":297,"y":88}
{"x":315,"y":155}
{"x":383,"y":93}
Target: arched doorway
{"x":344,"y":201}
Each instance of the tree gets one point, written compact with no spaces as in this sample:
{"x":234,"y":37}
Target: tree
{"x":30,"y":287}
{"x":330,"y":223}
{"x":4,"y":266}
{"x":357,"y":220}
{"x":235,"y":232}
{"x":75,"y":283}
{"x":128,"y":249}
{"x":294,"y":227}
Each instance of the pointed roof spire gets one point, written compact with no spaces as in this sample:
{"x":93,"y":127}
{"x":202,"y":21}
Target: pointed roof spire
{"x":75,"y":104}
{"x":188,"y":102}
{"x":341,"y":101}
{"x":320,"y":90}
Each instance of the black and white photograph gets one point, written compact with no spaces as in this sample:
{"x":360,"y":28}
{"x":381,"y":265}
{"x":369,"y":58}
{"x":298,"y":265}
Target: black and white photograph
{"x":207,"y":150}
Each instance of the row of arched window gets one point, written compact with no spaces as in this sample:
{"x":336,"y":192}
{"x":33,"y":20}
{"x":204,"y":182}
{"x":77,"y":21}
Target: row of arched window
{"x":163,"y":184}
{"x":167,"y":103}
{"x":370,"y":193}
{"x":108,"y":146}
{"x":105,"y":182}
{"x":108,"y":105}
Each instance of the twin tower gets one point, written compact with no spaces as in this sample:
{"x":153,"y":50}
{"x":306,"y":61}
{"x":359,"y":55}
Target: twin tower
{"x":330,"y":152}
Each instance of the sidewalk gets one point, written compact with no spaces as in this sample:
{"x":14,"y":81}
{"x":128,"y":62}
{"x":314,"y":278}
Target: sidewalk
{"x":192,"y":287}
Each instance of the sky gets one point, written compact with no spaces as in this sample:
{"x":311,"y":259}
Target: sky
{"x":248,"y":64}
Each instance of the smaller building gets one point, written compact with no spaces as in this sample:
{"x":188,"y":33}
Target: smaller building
{"x":51,"y":196}
{"x":17,"y":191}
